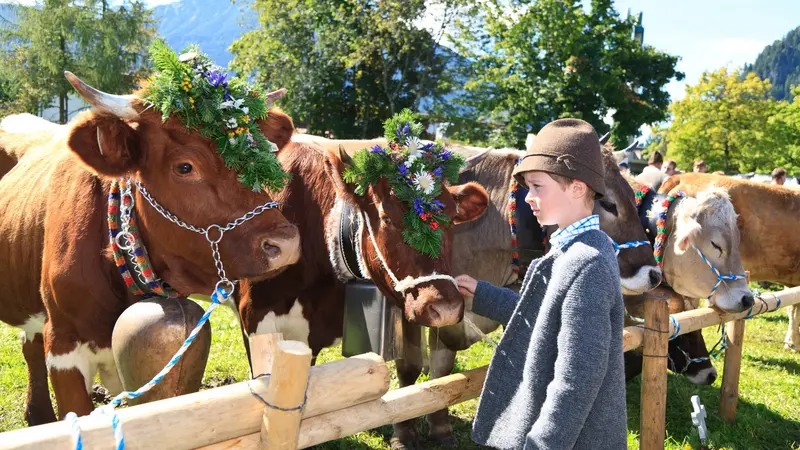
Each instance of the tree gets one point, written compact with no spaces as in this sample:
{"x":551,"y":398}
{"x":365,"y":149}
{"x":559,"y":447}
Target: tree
{"x":780,"y":64}
{"x":725,"y":120}
{"x":537,"y":61}
{"x":347,"y":65}
{"x":785,"y":132}
{"x":106,"y":46}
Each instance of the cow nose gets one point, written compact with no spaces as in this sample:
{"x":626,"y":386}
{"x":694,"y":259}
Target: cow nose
{"x":655,"y":278}
{"x":712,"y":376}
{"x":747,"y":301}
{"x":271,"y":248}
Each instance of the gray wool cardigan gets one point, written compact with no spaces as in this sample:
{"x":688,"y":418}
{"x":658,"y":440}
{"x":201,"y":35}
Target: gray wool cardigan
{"x":557,"y":379}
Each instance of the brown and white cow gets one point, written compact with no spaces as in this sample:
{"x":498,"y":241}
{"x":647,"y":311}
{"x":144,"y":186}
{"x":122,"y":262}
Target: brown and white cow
{"x":59,"y":281}
{"x":767,"y":220}
{"x":306,"y":302}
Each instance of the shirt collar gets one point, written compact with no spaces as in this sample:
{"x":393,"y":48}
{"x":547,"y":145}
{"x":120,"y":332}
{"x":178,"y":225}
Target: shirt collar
{"x":564,"y":236}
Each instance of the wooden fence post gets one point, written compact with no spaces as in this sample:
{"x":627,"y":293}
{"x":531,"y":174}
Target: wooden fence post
{"x":262,"y":352}
{"x":286,"y":395}
{"x":652,"y":421}
{"x":729,"y":394}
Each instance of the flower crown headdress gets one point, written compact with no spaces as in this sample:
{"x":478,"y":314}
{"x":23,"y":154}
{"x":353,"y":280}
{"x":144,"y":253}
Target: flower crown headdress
{"x":222,"y":109}
{"x":416,"y":173}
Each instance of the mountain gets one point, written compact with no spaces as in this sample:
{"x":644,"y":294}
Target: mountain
{"x":213,"y":24}
{"x":780,"y":62}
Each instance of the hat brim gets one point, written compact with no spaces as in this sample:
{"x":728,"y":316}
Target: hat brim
{"x":551,"y":165}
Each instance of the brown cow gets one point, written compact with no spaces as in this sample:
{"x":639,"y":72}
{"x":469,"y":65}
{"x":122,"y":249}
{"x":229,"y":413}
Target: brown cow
{"x":306,"y":302}
{"x":768,"y":216}
{"x":54,"y":235}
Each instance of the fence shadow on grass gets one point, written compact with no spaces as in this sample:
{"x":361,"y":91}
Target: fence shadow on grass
{"x":756,"y":425}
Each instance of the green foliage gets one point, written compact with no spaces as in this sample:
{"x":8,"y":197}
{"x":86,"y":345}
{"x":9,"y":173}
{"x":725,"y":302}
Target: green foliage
{"x":104,"y":45}
{"x":537,"y":61}
{"x":416,"y":173}
{"x":729,"y":122}
{"x":780,"y":63}
{"x":226,"y":111}
{"x":347,"y":65}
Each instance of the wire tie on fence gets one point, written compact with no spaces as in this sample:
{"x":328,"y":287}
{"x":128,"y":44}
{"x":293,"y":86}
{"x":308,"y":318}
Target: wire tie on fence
{"x":270,"y":405}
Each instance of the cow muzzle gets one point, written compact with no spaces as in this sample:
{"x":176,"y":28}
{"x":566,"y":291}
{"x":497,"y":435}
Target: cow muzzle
{"x":434,"y":304}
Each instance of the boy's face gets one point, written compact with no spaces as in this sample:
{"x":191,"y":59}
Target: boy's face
{"x":551,"y":203}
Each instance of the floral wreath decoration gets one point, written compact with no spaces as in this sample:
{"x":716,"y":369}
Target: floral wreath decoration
{"x":222,"y":109}
{"x":416,"y":173}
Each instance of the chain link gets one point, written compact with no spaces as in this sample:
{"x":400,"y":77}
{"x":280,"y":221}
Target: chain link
{"x":223,"y":283}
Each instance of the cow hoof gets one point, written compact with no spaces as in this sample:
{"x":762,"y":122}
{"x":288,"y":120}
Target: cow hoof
{"x":790,"y":347}
{"x":398,"y":445}
{"x":100,"y":395}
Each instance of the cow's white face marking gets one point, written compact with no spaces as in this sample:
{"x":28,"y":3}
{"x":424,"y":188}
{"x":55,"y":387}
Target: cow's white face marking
{"x":293,"y":325}
{"x":34,"y":325}
{"x":702,"y":377}
{"x":87,"y":362}
{"x":640,"y":282}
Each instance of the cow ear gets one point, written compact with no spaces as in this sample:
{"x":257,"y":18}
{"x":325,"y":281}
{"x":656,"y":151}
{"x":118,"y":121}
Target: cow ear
{"x":335,"y":165}
{"x":471,"y":201}
{"x":687,"y":229}
{"x":106,"y":145}
{"x":277,"y":127}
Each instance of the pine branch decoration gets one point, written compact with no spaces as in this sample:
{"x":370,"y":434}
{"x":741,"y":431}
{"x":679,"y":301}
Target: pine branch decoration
{"x":416,"y":172}
{"x":224,"y":110}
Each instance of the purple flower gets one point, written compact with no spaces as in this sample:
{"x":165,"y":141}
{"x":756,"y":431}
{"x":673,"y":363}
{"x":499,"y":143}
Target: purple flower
{"x":438,"y":172}
{"x":403,"y":170}
{"x":377,"y":150}
{"x":427,"y":147}
{"x":419,"y":206}
{"x":407,"y":128}
{"x":217,"y":79}
{"x":446,"y":155}
{"x":437,"y":205}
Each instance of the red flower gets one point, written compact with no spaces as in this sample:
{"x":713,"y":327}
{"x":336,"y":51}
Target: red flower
{"x":425,"y":216}
{"x":434,"y":225}
{"x":255,"y":94}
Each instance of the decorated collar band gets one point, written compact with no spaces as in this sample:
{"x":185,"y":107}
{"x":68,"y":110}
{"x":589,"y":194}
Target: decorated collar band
{"x":222,"y":108}
{"x":416,"y":173}
{"x":662,"y":234}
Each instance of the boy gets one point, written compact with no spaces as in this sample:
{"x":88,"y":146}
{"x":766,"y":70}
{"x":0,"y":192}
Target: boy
{"x":557,"y":378}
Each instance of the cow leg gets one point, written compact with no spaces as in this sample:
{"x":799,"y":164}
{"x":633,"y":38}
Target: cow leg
{"x":38,"y":408}
{"x":70,"y":369}
{"x":405,"y":435}
{"x":442,"y":361}
{"x":792,"y":341}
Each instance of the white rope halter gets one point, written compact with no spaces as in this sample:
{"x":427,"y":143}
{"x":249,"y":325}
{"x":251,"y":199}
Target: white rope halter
{"x":408,"y":282}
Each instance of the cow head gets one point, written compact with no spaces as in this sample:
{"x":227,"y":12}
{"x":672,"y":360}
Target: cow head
{"x":433,"y":303}
{"x":707,"y":223}
{"x":620,"y":220}
{"x":182,"y":170}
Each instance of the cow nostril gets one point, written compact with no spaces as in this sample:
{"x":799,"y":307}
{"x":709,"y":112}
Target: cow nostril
{"x":655,"y":278}
{"x":711,"y":378}
{"x":747,"y":301}
{"x":271,"y":250}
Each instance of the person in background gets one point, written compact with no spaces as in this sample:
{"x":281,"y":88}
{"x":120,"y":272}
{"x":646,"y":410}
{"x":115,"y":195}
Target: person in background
{"x":652,"y":175}
{"x":700,"y":166}
{"x":670,"y":168}
{"x":779,"y":176}
{"x":719,"y":172}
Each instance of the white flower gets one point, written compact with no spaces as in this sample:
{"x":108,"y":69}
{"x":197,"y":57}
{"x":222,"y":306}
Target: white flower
{"x":413,"y":145}
{"x":232,"y":140}
{"x":245,"y":110}
{"x":232,"y":123}
{"x":424,"y":182}
{"x":232,"y":103}
{"x":410,"y":160}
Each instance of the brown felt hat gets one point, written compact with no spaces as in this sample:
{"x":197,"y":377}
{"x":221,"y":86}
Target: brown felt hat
{"x":566,"y":147}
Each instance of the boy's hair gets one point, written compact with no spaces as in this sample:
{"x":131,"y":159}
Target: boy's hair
{"x":655,"y":158}
{"x":671,"y":162}
{"x":780,"y":172}
{"x":563,"y":181}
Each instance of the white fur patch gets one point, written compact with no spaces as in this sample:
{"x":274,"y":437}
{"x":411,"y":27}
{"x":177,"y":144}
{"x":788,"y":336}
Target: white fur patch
{"x":293,"y":325}
{"x":87,"y":362}
{"x":638,"y":283}
{"x":34,"y":325}
{"x":701,"y":378}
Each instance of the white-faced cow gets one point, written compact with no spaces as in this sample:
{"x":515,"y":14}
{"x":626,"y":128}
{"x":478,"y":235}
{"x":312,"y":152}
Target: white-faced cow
{"x":767,"y":220}
{"x":60,"y":282}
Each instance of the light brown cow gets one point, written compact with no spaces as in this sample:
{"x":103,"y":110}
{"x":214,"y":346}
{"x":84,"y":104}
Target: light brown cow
{"x":768,"y":217}
{"x":54,"y":237}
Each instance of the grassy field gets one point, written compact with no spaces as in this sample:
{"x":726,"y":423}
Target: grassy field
{"x":768,"y":414}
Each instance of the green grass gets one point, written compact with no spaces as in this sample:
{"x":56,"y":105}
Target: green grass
{"x":768,"y":413}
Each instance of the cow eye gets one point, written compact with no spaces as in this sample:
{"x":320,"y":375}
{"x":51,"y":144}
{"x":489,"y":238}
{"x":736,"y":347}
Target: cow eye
{"x":717,"y":247}
{"x":608,"y":206}
{"x":386,"y":219}
{"x":184,"y":168}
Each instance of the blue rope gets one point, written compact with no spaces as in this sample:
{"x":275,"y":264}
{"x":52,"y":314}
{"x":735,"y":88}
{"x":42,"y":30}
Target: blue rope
{"x":676,"y":325}
{"x":217,"y":298}
{"x":631,"y":244}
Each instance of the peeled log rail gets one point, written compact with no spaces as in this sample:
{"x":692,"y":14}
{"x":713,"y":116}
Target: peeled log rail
{"x":697,"y":319}
{"x":215,"y":415}
{"x":396,"y":406}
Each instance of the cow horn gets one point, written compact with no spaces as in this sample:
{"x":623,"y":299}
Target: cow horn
{"x":632,"y":146}
{"x":604,"y":139}
{"x":346,"y":159}
{"x":474,"y":160}
{"x":120,"y":106}
{"x":276,"y":95}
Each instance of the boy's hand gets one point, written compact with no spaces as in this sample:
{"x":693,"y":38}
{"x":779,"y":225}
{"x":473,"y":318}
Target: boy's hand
{"x":467,"y":285}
